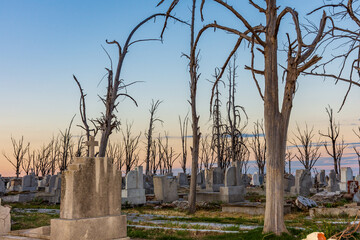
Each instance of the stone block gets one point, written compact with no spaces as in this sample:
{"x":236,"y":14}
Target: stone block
{"x":104,"y":228}
{"x":165,"y":188}
{"x":5,"y":220}
{"x":232,"y":194}
{"x":135,"y":196}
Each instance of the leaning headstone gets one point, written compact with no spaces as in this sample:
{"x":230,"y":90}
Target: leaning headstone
{"x":182,"y":179}
{"x":333,"y":184}
{"x":90,"y":201}
{"x":255,"y":179}
{"x":165,"y":188}
{"x":304,"y":203}
{"x":303,"y":183}
{"x":134,"y":192}
{"x":346,"y":175}
{"x":5,"y":219}
{"x":214,"y":179}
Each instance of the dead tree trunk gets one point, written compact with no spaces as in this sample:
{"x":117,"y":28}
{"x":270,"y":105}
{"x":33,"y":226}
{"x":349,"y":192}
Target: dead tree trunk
{"x":153,"y":119}
{"x":183,"y":135}
{"x":19,"y":151}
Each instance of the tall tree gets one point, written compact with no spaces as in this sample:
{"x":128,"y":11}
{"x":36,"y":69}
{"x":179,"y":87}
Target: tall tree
{"x":149,"y":134}
{"x":19,"y":150}
{"x":131,"y":144}
{"x":357,"y":151}
{"x":300,"y":56}
{"x":307,"y":150}
{"x":336,"y":149}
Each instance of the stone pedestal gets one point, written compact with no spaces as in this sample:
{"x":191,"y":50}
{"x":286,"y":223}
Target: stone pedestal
{"x":165,"y":188}
{"x":90,"y":202}
{"x":5,"y":219}
{"x":232,"y":194}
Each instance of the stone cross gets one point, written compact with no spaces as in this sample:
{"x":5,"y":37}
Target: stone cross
{"x":91,"y":144}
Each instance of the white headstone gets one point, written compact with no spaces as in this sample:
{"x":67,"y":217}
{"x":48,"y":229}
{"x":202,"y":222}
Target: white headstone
{"x":346,"y":175}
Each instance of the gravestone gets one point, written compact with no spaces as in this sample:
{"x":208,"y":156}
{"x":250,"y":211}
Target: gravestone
{"x":303,"y":183}
{"x":56,"y":190}
{"x":182,"y":179}
{"x":289,"y":182}
{"x":255,"y":181}
{"x":15,"y":185}
{"x":148,"y":184}
{"x":43,"y":183}
{"x":232,"y":192}
{"x":5,"y":219}
{"x":353,"y":187}
{"x":214,"y":179}
{"x":51,"y":184}
{"x":200,"y":179}
{"x":29,"y":183}
{"x":346,"y":174}
{"x":165,"y":188}
{"x":333,"y":184}
{"x":2,"y":186}
{"x":321,"y":178}
{"x":90,"y":201}
{"x":134,"y":192}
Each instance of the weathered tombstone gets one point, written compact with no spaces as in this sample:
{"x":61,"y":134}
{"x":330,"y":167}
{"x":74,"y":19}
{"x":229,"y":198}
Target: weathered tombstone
{"x":353,"y":187}
{"x":261,"y":179}
{"x":29,"y":183}
{"x":2,"y":186}
{"x":214,"y":179}
{"x":56,"y":190}
{"x":321,"y":178}
{"x":165,"y":188}
{"x":255,"y":179}
{"x":200,"y":179}
{"x":333,"y":184}
{"x":303,"y":183}
{"x":134,"y":192}
{"x":90,"y":201}
{"x":231,"y":192}
{"x":182,"y":179}
{"x":5,"y":219}
{"x":15,"y":185}
{"x":51,"y":184}
{"x":148,"y":184}
{"x":346,"y":175}
{"x":289,"y":182}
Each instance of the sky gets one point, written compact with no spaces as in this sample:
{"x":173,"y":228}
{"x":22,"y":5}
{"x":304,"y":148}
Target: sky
{"x":43,"y":43}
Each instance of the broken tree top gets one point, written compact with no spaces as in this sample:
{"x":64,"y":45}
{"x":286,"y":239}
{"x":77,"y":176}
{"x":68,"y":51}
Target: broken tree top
{"x":91,"y":144}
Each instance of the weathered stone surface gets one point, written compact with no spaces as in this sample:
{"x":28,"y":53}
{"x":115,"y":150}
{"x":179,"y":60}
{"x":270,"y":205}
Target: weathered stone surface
{"x":134,"y":192}
{"x":5,"y":219}
{"x":255,"y":179}
{"x":321,"y":178}
{"x":303,"y":182}
{"x":15,"y":185}
{"x":214,"y":179}
{"x":29,"y":183}
{"x":351,"y":210}
{"x":356,"y":197}
{"x":90,"y":202}
{"x":305,"y":203}
{"x":200,"y":179}
{"x":346,"y":174}
{"x":230,"y":177}
{"x":333,"y":184}
{"x":2,"y":186}
{"x":165,"y":188}
{"x":232,"y":194}
{"x":182,"y":179}
{"x":289,"y":182}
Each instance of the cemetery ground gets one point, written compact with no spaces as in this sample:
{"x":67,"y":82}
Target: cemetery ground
{"x":154,"y":221}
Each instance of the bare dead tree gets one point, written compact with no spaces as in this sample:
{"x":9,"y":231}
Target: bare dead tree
{"x":300,"y":57}
{"x":218,"y":131}
{"x":258,"y":146}
{"x":43,"y":159}
{"x":154,"y":163}
{"x":206,"y":154}
{"x":183,"y":135}
{"x":234,"y":126}
{"x":54,"y":154}
{"x":19,"y":151}
{"x":26,"y":163}
{"x":307,"y":150}
{"x":168,"y":153}
{"x":131,"y":144}
{"x":336,"y":149}
{"x":116,"y":86}
{"x":82,"y":109}
{"x":116,"y":153}
{"x":289,"y":157}
{"x":357,"y":151}
{"x":65,"y":147}
{"x":149,"y":134}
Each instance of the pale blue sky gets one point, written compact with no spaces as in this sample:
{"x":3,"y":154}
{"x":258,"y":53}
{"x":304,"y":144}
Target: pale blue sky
{"x":43,"y":42}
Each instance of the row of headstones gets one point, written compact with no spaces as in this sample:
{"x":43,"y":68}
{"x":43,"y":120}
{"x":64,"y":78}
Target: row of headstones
{"x":303,"y":183}
{"x":30,"y":183}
